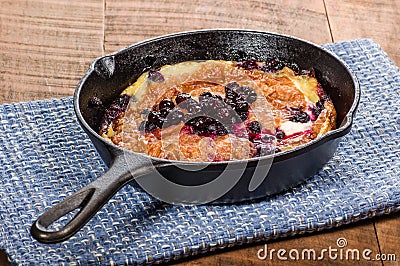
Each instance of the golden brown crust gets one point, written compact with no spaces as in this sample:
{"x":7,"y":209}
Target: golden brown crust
{"x":279,"y":89}
{"x":325,"y":121}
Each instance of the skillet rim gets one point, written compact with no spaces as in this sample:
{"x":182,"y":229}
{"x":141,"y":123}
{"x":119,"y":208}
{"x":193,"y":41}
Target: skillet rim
{"x":331,"y":135}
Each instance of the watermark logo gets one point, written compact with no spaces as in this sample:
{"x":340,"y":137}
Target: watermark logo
{"x":341,"y":242}
{"x":338,"y":252}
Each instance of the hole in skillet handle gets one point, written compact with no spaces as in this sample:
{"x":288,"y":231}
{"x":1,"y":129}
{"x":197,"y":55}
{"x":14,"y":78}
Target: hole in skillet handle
{"x":40,"y":229}
{"x":87,"y":202}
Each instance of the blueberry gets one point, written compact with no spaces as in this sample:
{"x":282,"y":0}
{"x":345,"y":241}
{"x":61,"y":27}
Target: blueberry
{"x":175,"y":117}
{"x":181,"y":97}
{"x":147,"y":126}
{"x":203,"y":125}
{"x":155,"y":118}
{"x":189,"y":120}
{"x":243,"y":90}
{"x":247,"y":93}
{"x":211,"y":106}
{"x":273,"y":65}
{"x":218,"y":97}
{"x":209,"y":120}
{"x":254,"y":127}
{"x":194,"y":108}
{"x":230,"y":91}
{"x":243,"y":115}
{"x":164,"y":112}
{"x":221,"y":130}
{"x":230,"y":94}
{"x":263,"y":149}
{"x":120,"y":104}
{"x":117,"y":107}
{"x":112,"y":113}
{"x":319,"y":106}
{"x":252,"y":97}
{"x":224,"y":115}
{"x":248,"y":64}
{"x":267,"y":138}
{"x":160,"y":122}
{"x":191,"y":105}
{"x":229,"y":102}
{"x":205,"y":96}
{"x":232,"y":85}
{"x":300,"y":117}
{"x":280,"y":134}
{"x":294,"y":67}
{"x":166,"y":103}
{"x":200,"y":123}
{"x":212,"y":128}
{"x":95,"y":102}
{"x":241,"y":106}
{"x":308,"y":72}
{"x":277,"y":64}
{"x":155,"y":75}
{"x":150,"y":126}
{"x":188,"y":117}
{"x":320,"y":103}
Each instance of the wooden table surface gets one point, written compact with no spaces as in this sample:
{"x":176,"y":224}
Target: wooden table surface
{"x":47,"y":45}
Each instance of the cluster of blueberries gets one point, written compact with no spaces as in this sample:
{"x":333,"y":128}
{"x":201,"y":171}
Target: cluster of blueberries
{"x":271,"y":65}
{"x":117,"y":107}
{"x":210,"y":115}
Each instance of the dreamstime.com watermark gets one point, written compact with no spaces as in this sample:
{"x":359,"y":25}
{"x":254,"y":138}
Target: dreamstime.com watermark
{"x":338,"y":252}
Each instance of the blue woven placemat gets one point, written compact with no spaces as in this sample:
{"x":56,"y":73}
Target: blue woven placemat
{"x":45,"y":156}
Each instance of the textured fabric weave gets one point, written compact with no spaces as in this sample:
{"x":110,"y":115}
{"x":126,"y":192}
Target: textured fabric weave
{"x":45,"y":156}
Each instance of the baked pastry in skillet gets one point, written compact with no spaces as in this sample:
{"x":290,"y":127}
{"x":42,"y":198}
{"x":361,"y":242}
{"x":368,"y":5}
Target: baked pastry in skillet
{"x":219,"y":110}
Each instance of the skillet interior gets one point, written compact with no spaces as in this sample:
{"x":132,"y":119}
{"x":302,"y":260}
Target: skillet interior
{"x":115,"y":72}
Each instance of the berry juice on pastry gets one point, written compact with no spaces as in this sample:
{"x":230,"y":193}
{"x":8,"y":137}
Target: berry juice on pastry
{"x":219,"y":110}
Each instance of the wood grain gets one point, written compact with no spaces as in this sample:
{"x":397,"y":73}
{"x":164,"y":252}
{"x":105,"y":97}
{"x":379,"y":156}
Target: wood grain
{"x":3,"y":259}
{"x":128,"y":22}
{"x":377,"y":19}
{"x":46,"y":46}
{"x":388,"y":233}
{"x":360,"y":236}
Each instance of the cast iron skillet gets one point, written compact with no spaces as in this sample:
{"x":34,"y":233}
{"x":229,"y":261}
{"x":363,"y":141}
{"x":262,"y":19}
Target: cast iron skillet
{"x":109,"y":75}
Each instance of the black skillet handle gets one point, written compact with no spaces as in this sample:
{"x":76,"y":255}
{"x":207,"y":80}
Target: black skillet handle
{"x":88,"y":200}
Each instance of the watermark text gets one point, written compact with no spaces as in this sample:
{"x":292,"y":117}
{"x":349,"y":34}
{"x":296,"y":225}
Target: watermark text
{"x":338,"y":252}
